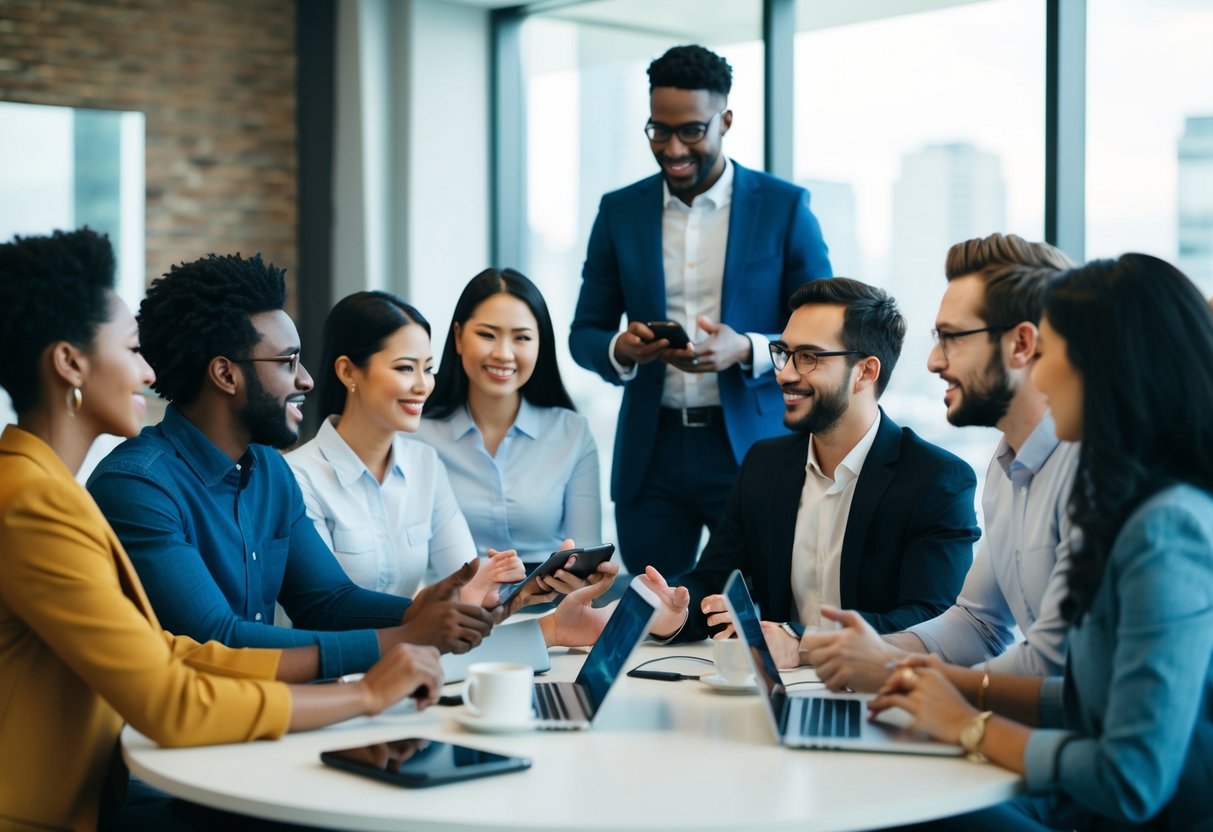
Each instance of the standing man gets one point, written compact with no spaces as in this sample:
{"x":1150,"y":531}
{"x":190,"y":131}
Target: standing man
{"x":719,"y":249}
{"x":1009,"y":613}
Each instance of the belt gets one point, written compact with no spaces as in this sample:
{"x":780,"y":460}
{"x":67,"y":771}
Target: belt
{"x":691,"y":417}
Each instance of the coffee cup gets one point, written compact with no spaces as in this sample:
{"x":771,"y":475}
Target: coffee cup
{"x":732,"y":661}
{"x":499,"y":692}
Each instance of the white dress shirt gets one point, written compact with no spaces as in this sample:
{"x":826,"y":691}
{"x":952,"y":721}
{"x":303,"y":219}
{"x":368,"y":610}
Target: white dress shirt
{"x":384,"y":535}
{"x":694,"y":241}
{"x":1015,"y":587}
{"x":821,"y":525}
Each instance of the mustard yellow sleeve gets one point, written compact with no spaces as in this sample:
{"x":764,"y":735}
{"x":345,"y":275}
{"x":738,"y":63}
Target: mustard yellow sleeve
{"x":60,"y":577}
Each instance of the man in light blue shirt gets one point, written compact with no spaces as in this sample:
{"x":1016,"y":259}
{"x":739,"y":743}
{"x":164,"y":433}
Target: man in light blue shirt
{"x":1009,"y":610}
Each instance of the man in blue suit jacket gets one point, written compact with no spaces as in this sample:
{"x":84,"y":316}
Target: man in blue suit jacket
{"x":714,"y":247}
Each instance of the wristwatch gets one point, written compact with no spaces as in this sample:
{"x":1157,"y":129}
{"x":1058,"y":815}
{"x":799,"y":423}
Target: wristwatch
{"x":971,"y":736}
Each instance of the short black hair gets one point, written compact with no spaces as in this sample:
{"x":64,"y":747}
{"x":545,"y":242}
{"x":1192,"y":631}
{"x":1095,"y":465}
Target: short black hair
{"x":201,"y":310}
{"x":357,"y":328}
{"x":691,"y":68}
{"x":543,"y":389}
{"x":52,"y":289}
{"x":871,"y":324}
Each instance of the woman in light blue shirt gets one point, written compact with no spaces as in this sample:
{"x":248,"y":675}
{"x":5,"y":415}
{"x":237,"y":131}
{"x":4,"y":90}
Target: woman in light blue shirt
{"x":522,"y":461}
{"x":1125,"y":737}
{"x":382,"y":503}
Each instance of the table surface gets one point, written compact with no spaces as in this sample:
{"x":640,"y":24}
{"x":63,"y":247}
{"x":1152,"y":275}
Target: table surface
{"x":660,"y":756}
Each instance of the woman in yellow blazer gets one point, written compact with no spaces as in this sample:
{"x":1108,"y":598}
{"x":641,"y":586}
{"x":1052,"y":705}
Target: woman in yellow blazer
{"x":80,"y":648}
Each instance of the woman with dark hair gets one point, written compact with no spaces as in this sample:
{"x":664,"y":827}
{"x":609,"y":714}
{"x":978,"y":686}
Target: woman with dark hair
{"x":1125,"y":738}
{"x":522,"y":460}
{"x":382,"y":503}
{"x":81,"y":651}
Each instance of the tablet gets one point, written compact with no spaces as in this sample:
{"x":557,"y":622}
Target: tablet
{"x":415,"y":762}
{"x":586,"y":563}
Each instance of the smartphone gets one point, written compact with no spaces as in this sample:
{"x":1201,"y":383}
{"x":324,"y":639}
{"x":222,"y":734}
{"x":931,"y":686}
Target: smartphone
{"x":672,"y":331}
{"x":417,"y":763}
{"x":586,"y":564}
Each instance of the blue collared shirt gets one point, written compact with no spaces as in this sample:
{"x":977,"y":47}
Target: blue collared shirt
{"x":1018,"y":578}
{"x":541,"y":487}
{"x":217,"y":542}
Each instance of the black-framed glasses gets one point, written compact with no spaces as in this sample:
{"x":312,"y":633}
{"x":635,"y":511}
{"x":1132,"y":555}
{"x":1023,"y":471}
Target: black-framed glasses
{"x":689,"y":132}
{"x":292,"y":360}
{"x":944,"y":337}
{"x":804,"y":359}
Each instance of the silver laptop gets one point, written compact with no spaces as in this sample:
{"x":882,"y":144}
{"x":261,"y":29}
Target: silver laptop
{"x":819,"y":719}
{"x":573,"y":705}
{"x":518,"y":641}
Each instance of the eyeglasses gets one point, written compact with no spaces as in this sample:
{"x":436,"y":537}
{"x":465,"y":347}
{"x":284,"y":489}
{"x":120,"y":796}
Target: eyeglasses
{"x":943,"y":337}
{"x":804,"y":359}
{"x":291,"y":360}
{"x":689,"y":132}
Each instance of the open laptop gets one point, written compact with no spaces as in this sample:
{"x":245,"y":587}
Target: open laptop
{"x":517,"y":641}
{"x":819,"y":719}
{"x":573,"y":705}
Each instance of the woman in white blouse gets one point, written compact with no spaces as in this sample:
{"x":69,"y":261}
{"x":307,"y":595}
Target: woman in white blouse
{"x":383,"y":503}
{"x":522,"y":460}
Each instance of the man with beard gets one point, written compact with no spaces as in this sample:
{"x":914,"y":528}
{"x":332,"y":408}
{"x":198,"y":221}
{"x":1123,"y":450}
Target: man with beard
{"x":718,"y":249}
{"x":986,"y":333}
{"x":851,"y":509}
{"x":207,"y":509}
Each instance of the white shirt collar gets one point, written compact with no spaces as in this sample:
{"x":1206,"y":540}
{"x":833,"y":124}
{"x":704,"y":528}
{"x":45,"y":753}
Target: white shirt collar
{"x":851,"y":464}
{"x":346,"y":464}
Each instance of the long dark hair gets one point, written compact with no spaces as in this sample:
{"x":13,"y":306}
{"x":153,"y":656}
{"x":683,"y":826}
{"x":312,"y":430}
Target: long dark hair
{"x":1141,"y":335}
{"x":543,"y":389}
{"x":357,"y":328}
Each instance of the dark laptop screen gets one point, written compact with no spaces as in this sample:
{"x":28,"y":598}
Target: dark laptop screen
{"x":749,"y":628}
{"x":619,"y":638}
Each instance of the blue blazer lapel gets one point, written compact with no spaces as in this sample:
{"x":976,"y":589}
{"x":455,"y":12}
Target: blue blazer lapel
{"x":743,"y":219}
{"x":873,"y":481}
{"x":645,"y":220}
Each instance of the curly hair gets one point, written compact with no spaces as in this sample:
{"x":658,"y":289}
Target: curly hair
{"x":1139,"y":333}
{"x":691,"y":68}
{"x":872,"y":324}
{"x":52,"y":289}
{"x":201,"y":310}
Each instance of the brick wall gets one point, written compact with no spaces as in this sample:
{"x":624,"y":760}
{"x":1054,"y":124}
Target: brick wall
{"x":216,"y":81}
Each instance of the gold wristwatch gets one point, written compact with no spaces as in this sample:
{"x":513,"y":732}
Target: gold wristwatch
{"x":972,"y":734}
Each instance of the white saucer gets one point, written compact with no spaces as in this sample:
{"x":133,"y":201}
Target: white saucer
{"x":718,"y":684}
{"x":480,"y":725}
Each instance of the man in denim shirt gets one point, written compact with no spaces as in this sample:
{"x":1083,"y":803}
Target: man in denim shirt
{"x":209,"y":512}
{"x":985,"y":345}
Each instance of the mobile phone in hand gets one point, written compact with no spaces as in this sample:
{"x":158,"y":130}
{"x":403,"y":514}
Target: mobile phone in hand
{"x":585,"y":564}
{"x":672,"y":331}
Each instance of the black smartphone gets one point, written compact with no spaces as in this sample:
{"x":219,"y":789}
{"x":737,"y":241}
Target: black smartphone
{"x":672,"y":331}
{"x":586,"y":563}
{"x":417,"y":763}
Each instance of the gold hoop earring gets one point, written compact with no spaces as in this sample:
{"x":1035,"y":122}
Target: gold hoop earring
{"x":75,"y":400}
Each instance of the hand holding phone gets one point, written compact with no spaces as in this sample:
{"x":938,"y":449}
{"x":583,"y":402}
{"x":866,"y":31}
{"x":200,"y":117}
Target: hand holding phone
{"x":585,"y":564}
{"x":671,"y":331}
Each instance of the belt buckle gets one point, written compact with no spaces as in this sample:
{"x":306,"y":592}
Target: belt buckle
{"x":686,"y":419}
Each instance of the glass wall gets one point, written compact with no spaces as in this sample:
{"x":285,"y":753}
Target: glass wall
{"x":587,"y":100}
{"x":1150,"y":132}
{"x":914,"y":131}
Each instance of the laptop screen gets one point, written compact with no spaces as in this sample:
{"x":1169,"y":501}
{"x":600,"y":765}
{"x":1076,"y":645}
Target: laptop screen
{"x":749,"y":629}
{"x":627,"y":626}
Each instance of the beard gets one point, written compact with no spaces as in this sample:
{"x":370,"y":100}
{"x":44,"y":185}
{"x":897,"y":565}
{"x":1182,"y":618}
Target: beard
{"x":983,"y":404}
{"x":265,"y":417}
{"x":827,"y":408}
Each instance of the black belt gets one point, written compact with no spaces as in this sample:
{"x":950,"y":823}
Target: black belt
{"x":691,"y":417}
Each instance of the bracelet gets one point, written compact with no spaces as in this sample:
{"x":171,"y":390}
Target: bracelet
{"x":985,"y":684}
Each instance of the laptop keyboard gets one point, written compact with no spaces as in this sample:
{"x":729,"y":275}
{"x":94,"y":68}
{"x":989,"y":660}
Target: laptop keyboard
{"x":822,"y":717}
{"x":549,"y":702}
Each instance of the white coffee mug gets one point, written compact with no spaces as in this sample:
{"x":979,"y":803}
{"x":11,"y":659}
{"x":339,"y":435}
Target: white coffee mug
{"x":499,"y":691}
{"x":732,"y":661}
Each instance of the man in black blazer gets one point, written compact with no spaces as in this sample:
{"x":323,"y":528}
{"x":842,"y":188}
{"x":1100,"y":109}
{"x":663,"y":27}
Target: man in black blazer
{"x":849,"y":510}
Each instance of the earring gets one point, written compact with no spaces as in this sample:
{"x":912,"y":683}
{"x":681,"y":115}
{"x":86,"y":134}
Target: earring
{"x":353,"y":387}
{"x":75,"y":399}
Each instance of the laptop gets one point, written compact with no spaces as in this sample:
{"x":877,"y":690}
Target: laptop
{"x":517,"y":641}
{"x":573,"y":705}
{"x":820,"y":719}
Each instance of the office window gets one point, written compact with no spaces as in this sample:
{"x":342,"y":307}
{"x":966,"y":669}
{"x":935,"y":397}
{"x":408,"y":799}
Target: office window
{"x":914,"y":132}
{"x":586,"y":94}
{"x":1150,"y":132}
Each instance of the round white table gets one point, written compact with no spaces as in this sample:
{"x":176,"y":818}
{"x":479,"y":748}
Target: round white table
{"x":660,"y":756}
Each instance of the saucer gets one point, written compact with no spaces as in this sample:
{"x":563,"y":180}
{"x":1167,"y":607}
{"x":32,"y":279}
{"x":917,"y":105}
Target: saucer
{"x":718,"y":683}
{"x":480,"y":725}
